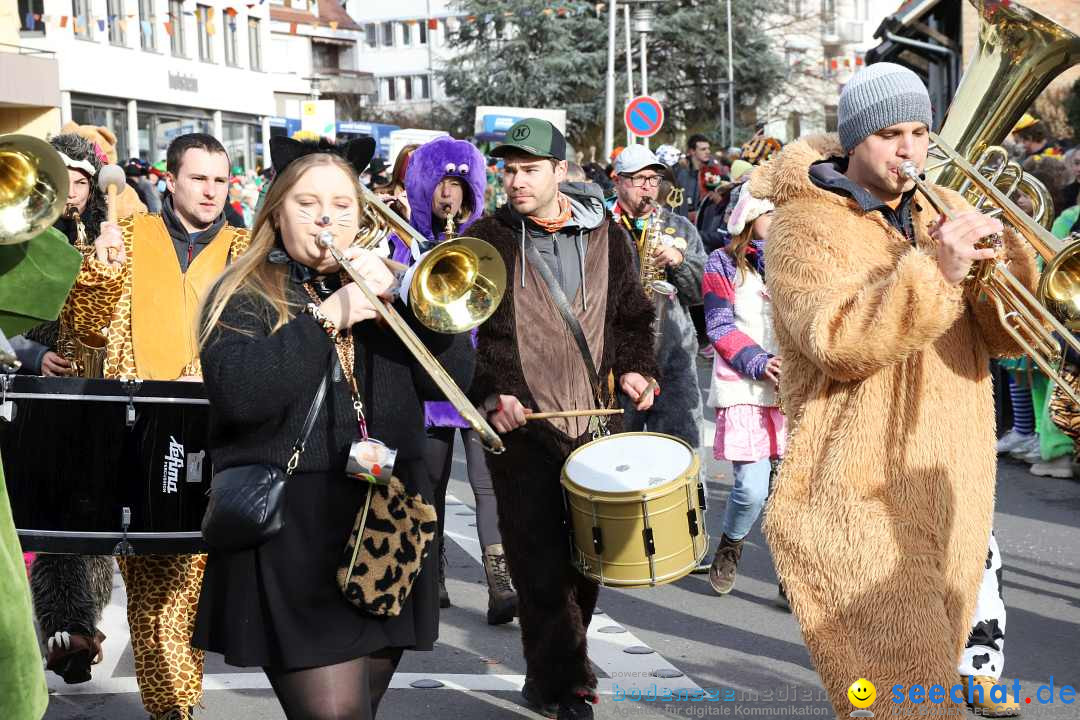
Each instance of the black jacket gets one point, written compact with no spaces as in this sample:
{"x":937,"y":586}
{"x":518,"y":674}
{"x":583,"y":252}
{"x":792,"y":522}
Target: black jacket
{"x":260,"y":386}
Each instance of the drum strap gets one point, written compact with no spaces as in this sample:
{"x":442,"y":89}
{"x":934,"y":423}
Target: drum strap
{"x":568,"y":316}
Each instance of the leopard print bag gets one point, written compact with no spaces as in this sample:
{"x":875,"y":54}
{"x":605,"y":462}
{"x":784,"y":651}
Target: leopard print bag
{"x":395,"y":529}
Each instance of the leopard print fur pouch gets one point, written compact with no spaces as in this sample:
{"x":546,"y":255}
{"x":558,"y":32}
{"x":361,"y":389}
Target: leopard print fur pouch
{"x":395,"y":529}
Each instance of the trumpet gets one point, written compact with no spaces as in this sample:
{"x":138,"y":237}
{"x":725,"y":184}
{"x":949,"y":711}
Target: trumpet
{"x":455,"y":287}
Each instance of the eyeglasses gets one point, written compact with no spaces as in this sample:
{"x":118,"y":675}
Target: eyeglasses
{"x":641,"y":181}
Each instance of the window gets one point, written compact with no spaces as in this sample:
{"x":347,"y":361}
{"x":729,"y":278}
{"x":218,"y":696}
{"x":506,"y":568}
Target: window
{"x":147,"y":21}
{"x":81,"y":14}
{"x":30,"y":14}
{"x":389,"y":89}
{"x":371,"y":35}
{"x":425,"y":87}
{"x":176,"y":24}
{"x":231,"y":57}
{"x":202,"y":29}
{"x":254,"y":48}
{"x":828,"y":17}
{"x":406,"y":34}
{"x":831,"y":123}
{"x":325,"y":55}
{"x":408,"y":87}
{"x":388,"y":34}
{"x":423,"y":32}
{"x":115,"y":11}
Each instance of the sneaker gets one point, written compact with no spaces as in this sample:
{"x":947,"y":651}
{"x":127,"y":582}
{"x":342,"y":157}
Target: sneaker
{"x":1027,"y":450}
{"x":724,"y":565}
{"x":1057,"y":468}
{"x":576,"y":709}
{"x":987,"y":707}
{"x":1010,"y":441}
{"x":531,"y":694}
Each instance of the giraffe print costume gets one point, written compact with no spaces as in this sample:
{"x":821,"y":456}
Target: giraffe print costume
{"x":163,"y":590}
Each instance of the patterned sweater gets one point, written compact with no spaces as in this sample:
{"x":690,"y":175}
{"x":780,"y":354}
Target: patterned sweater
{"x":735,"y":347}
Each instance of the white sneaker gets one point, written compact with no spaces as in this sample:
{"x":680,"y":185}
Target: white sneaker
{"x":1010,"y":441}
{"x":1057,"y":468}
{"x":1027,"y":450}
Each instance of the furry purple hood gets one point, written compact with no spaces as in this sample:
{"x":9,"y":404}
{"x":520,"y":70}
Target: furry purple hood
{"x":428,"y":165}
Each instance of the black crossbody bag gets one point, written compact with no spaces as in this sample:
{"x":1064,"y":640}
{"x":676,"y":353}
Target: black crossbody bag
{"x":247,"y":501}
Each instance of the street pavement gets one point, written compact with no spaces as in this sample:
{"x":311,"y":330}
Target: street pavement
{"x":741,"y":649}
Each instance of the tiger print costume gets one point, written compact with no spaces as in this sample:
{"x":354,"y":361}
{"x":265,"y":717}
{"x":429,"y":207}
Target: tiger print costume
{"x":162,"y":591}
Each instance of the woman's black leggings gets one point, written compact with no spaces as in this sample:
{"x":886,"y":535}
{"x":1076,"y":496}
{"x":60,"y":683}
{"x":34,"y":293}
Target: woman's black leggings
{"x":346,"y":691}
{"x":439,"y":458}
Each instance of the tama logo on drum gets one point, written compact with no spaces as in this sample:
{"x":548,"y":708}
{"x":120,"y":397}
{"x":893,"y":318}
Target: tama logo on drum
{"x":174,"y":460}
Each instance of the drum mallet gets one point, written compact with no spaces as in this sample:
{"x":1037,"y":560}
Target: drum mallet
{"x":111,"y":180}
{"x":571,"y":414}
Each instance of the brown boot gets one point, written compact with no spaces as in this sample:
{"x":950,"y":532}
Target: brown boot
{"x":502,"y":600}
{"x":722,"y":572}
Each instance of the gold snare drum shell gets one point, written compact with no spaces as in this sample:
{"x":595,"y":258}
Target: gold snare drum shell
{"x":612,"y":530}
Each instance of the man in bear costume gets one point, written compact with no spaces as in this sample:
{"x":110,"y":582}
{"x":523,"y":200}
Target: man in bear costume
{"x":880,"y":518}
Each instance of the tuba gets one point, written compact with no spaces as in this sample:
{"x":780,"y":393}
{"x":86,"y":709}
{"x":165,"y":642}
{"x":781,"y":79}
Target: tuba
{"x":33,"y":187}
{"x":1019,"y":53}
{"x":455,"y":287}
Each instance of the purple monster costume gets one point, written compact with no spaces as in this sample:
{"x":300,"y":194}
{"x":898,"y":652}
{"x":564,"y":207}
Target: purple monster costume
{"x":431,"y":162}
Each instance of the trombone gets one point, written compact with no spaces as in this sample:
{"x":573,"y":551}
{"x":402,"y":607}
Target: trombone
{"x":456,"y":287}
{"x":1027,"y":320}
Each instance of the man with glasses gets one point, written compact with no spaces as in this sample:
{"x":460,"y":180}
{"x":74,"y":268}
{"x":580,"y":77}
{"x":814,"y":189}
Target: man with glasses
{"x":675,"y":247}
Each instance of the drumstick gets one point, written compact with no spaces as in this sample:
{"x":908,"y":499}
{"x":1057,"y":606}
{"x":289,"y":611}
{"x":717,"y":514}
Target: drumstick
{"x":570,"y":414}
{"x":111,"y":179}
{"x":650,"y":388}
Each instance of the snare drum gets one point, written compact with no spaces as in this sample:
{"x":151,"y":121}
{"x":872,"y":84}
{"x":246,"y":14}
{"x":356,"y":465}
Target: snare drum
{"x":636,"y":507}
{"x":93,"y":463}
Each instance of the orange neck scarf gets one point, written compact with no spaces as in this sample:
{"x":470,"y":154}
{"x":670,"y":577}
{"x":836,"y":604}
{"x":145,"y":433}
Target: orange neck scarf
{"x":554,"y":224}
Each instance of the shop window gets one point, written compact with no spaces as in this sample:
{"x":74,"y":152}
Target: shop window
{"x":113,"y":118}
{"x":147,"y":25}
{"x":254,"y":45}
{"x":80,"y":12}
{"x":177,"y":42}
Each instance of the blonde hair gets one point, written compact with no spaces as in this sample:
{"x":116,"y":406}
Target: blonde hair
{"x":252,"y":273}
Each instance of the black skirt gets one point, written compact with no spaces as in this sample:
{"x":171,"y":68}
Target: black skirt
{"x":278,"y":605}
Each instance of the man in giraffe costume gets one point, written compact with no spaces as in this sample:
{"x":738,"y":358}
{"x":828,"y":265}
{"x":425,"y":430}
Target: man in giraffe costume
{"x":147,"y":304}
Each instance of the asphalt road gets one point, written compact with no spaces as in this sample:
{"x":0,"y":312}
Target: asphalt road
{"x":741,"y":646}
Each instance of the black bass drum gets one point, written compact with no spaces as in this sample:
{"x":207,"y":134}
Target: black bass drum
{"x":105,"y":466}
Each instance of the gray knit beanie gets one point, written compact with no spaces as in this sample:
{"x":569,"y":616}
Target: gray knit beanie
{"x":878,"y":96}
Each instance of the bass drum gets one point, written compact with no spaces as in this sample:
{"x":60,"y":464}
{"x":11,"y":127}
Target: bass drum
{"x":98,"y":467}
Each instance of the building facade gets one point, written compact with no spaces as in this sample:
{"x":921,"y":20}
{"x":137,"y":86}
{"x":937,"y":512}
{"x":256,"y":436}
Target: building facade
{"x":404,"y":43}
{"x":150,"y":70}
{"x":824,"y":43}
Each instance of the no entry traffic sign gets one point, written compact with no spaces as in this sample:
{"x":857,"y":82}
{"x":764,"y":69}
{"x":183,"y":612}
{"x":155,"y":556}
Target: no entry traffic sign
{"x":644,"y":116}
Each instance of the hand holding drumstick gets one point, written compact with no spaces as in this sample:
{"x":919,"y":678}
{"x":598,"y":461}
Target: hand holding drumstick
{"x":109,"y":246}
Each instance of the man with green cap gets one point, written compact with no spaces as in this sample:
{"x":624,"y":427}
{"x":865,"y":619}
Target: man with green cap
{"x":572,"y":327}
{"x":35,"y":278}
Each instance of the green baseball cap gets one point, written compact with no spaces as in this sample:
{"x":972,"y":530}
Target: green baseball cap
{"x":535,"y":137}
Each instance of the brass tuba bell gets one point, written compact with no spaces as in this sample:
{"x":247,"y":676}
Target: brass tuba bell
{"x":1019,"y":53}
{"x":33,"y":187}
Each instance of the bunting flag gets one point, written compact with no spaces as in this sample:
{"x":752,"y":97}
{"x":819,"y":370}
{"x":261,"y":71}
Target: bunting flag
{"x":101,"y":25}
{"x":63,"y":21}
{"x":210,"y":30}
{"x":29,"y":22}
{"x":123,"y":25}
{"x":168,"y":28}
{"x":230,"y":11}
{"x":147,"y":30}
{"x":292,"y":28}
{"x":432,"y":24}
{"x":334,"y":24}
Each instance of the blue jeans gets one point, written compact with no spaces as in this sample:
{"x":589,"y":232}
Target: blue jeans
{"x":747,"y":497}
